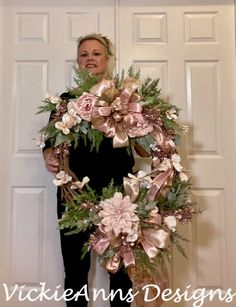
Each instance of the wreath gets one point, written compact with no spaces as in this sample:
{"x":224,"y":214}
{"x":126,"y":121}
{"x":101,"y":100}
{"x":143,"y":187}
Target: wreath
{"x":133,"y":224}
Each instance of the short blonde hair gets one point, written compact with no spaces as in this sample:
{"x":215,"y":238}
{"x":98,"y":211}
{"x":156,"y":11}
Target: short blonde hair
{"x":100,"y":38}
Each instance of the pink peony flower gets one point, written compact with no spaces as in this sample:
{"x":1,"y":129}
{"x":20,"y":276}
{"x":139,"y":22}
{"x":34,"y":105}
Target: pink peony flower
{"x":136,"y":125}
{"x":118,"y":214}
{"x":84,"y":105}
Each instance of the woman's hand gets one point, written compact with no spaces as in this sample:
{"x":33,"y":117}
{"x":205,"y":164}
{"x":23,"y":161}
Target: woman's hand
{"x":50,"y":161}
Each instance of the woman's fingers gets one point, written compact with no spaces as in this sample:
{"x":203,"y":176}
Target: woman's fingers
{"x":50,"y":161}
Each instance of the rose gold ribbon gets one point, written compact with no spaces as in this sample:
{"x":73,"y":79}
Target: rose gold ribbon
{"x":101,"y":246}
{"x":157,"y":237}
{"x":166,"y":144}
{"x":120,"y":138}
{"x":131,"y":83}
{"x":149,"y":248}
{"x":158,"y":182}
{"x":135,"y":107}
{"x":155,"y":217}
{"x":131,"y":187}
{"x":153,"y":240}
{"x":113,"y":263}
{"x":106,"y":239}
{"x":100,"y":87}
{"x":104,"y":111}
{"x":128,"y":258}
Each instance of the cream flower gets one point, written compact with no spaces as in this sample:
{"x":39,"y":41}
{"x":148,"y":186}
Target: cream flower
{"x":80,"y":184}
{"x":142,"y":177}
{"x":118,"y":214}
{"x":170,"y":221}
{"x":72,"y":111}
{"x":183,"y":176}
{"x":171,"y":114}
{"x":63,"y":127}
{"x":168,"y":163}
{"x":62,"y":178}
{"x":54,"y":99}
{"x":176,"y":162}
{"x":68,"y":121}
{"x":48,"y":96}
{"x":133,"y":235}
{"x":185,"y":128}
{"x":164,"y":165}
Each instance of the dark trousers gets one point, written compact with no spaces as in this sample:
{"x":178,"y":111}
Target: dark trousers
{"x":76,"y":272}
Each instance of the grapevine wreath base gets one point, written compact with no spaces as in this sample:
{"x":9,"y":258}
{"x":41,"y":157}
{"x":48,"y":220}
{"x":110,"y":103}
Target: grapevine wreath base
{"x":134,"y":224}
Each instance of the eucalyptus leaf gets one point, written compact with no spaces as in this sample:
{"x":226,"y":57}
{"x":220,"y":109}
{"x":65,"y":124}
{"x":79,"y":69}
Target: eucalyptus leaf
{"x":60,"y":139}
{"x":145,"y":142}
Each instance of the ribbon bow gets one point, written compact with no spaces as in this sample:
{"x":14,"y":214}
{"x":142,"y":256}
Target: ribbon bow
{"x":125,"y":252}
{"x":117,"y":117}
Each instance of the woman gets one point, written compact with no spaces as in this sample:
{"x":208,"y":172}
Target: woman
{"x":93,"y":53}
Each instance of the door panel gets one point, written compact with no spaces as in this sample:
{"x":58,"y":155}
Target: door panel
{"x":191,"y":49}
{"x":39,"y":53}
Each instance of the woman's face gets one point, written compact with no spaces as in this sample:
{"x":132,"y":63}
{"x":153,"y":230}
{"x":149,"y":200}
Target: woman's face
{"x":92,"y":56}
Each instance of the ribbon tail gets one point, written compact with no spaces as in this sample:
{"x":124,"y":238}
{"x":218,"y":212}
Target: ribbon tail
{"x":128,"y":258}
{"x":131,"y":188}
{"x":101,"y":246}
{"x":158,"y":182}
{"x":149,"y":248}
{"x":120,"y":139}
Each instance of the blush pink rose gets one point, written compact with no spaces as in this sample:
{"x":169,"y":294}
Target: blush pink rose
{"x":84,"y":105}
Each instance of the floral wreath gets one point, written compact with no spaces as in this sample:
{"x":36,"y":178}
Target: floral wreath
{"x":134,"y":225}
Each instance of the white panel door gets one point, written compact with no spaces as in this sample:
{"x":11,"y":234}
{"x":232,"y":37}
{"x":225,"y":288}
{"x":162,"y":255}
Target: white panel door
{"x":38,"y":51}
{"x":190,"y":46}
